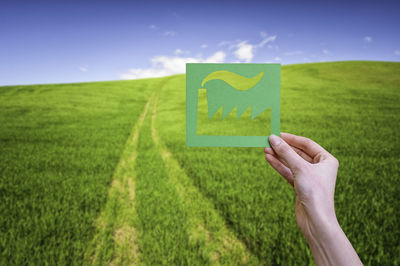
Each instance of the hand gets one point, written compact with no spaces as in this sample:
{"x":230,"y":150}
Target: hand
{"x":312,"y":171}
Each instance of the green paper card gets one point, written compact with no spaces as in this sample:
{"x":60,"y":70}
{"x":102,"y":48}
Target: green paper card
{"x":232,"y":105}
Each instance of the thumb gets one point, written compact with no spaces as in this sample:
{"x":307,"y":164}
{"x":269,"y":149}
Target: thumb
{"x":285,"y":152}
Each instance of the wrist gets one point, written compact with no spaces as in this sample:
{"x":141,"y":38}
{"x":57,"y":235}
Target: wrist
{"x":323,"y":222}
{"x":321,"y":214}
{"x":321,"y":239}
{"x":322,"y":229}
{"x":330,"y":246}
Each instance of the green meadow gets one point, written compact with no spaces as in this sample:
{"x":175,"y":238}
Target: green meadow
{"x":99,"y":173}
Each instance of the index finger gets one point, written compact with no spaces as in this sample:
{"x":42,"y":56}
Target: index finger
{"x":307,"y":145}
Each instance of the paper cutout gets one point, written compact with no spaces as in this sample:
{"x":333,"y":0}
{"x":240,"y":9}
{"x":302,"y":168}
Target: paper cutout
{"x":236,"y":81}
{"x":239,"y":91}
{"x":240,"y":87}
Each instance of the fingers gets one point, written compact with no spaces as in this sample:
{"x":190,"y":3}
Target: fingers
{"x":303,"y":155}
{"x":285,"y":152}
{"x":280,"y":168}
{"x":271,"y":151}
{"x":307,"y":145}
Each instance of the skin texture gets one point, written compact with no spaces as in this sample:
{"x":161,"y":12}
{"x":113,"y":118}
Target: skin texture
{"x":311,"y":170}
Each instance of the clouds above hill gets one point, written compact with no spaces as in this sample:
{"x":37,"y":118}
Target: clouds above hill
{"x":170,"y":65}
{"x":240,"y":51}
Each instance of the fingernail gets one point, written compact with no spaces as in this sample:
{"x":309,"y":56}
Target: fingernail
{"x":274,"y":140}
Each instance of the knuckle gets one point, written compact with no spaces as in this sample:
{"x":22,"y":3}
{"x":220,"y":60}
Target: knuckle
{"x":307,"y":142}
{"x":282,"y":148}
{"x":335,"y":162}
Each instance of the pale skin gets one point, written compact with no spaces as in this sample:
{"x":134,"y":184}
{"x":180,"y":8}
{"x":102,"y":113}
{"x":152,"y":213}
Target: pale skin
{"x":311,"y":170}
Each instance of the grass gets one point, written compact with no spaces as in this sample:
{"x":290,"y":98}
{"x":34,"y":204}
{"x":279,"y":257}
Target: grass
{"x":350,"y":108}
{"x":99,"y":173}
{"x":59,"y":147}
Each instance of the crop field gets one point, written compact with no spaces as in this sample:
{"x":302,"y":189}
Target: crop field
{"x":99,"y":173}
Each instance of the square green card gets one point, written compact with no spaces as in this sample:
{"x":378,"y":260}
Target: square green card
{"x":232,"y":105}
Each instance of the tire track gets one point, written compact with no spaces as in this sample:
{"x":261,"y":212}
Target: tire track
{"x":116,"y":224}
{"x":207,"y":226}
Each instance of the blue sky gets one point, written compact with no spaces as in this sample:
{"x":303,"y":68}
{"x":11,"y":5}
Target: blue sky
{"x":74,"y":41}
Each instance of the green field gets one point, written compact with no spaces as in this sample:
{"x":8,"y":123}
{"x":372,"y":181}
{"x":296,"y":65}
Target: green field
{"x":99,"y":173}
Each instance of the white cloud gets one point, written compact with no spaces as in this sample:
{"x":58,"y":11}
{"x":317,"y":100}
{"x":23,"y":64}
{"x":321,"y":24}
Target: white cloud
{"x":367,"y":39}
{"x":169,"y":33}
{"x":266,"y":39}
{"x":180,"y":51}
{"x":169,"y":65}
{"x":297,"y":52}
{"x":244,"y":52}
{"x":397,"y":52}
{"x":218,"y":57}
{"x":153,"y":27}
{"x":327,"y":52}
{"x":84,"y":68}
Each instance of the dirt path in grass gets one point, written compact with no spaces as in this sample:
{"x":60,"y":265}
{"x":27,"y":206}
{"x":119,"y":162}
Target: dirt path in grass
{"x":116,"y":243}
{"x":207,"y":226}
{"x":116,"y":240}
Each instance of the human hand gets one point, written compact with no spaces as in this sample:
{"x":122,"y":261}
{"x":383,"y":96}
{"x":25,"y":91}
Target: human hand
{"x":312,"y":171}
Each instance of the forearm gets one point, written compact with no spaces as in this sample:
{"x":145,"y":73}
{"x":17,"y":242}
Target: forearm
{"x":330,"y":246}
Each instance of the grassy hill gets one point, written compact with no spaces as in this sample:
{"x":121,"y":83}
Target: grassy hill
{"x":99,"y":173}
